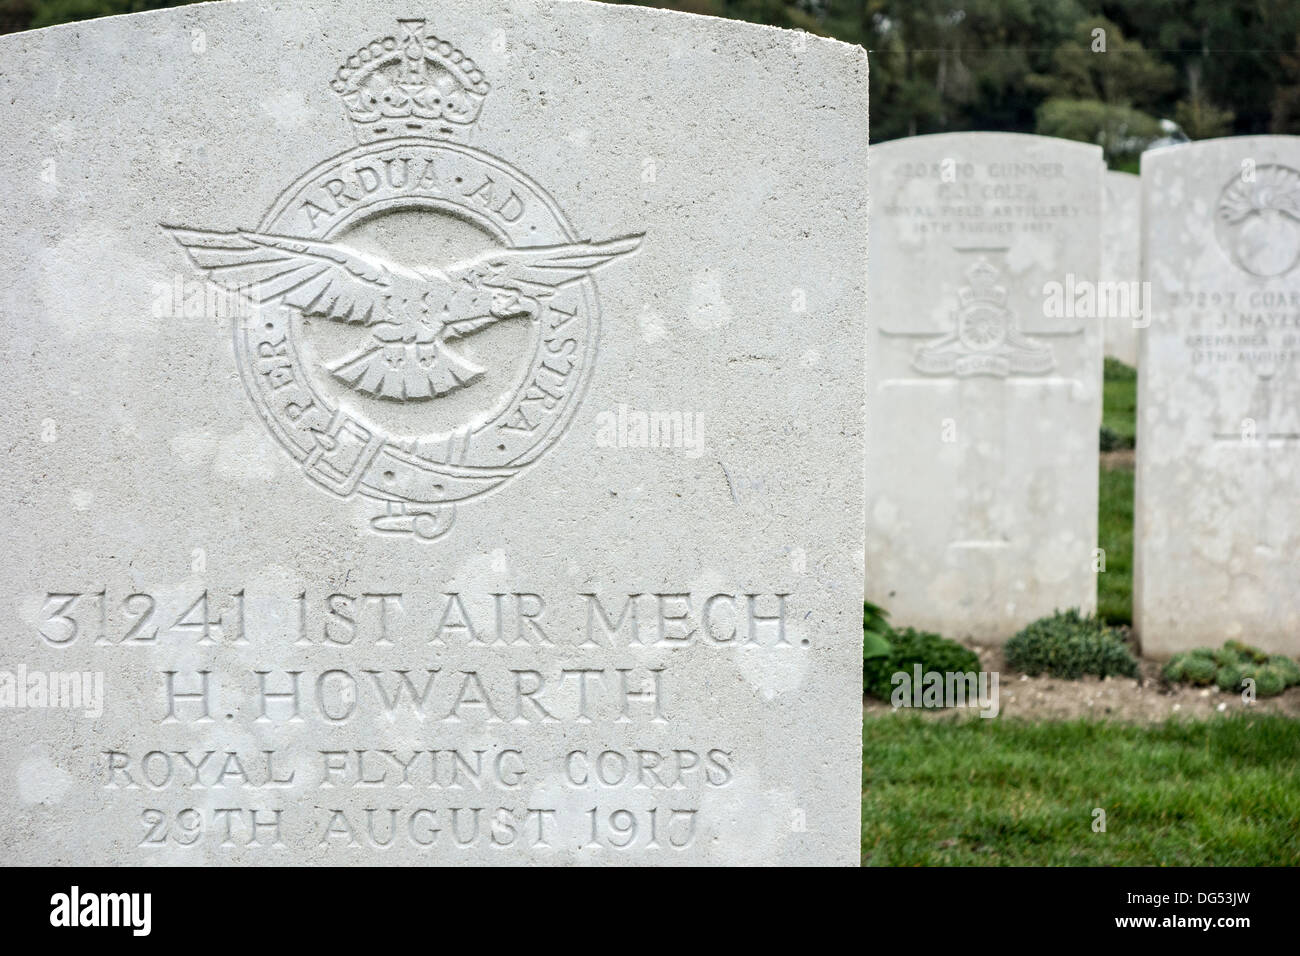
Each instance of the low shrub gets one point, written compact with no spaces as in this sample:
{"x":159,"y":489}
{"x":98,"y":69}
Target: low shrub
{"x":1070,"y":645}
{"x":909,"y":647}
{"x":1236,"y":652}
{"x":1229,"y":667}
{"x":1199,"y":667}
{"x":1269,"y":680}
{"x":1229,"y":677}
{"x":1288,"y":668}
{"x":875,"y":631}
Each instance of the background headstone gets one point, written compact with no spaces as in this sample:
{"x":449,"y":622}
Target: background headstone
{"x":1121,"y":258}
{"x":984,"y":408}
{"x":462,"y":578}
{"x":1216,"y":529}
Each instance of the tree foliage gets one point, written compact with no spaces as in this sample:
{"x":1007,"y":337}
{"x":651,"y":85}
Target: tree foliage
{"x":1214,"y":67}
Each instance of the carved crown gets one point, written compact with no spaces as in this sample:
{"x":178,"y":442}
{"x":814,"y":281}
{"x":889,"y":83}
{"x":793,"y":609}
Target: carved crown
{"x":411,"y":85}
{"x":982,"y":285}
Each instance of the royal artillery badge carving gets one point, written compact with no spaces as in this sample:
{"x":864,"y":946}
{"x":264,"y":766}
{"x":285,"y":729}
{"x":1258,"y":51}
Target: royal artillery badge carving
{"x":984,"y":339}
{"x":369,"y":275}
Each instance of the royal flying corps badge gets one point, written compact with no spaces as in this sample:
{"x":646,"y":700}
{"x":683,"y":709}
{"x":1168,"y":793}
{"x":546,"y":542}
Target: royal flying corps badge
{"x":367,"y":276}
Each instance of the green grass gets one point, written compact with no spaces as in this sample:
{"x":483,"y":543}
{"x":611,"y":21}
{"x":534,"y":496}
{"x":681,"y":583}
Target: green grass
{"x":966,"y":791}
{"x":997,"y":792}
{"x":1119,"y":400}
{"x":1115,"y":517}
{"x":1115,"y":537}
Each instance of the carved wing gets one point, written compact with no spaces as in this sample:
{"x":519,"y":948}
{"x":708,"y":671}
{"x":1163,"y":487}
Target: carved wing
{"x":318,"y":278}
{"x":515,"y":278}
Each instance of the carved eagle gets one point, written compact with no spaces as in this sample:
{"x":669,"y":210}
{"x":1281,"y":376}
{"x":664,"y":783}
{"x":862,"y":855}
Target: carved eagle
{"x":410,"y":312}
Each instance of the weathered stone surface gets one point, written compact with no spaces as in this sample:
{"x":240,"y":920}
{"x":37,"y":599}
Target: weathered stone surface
{"x":1121,"y":260}
{"x":450,"y":573}
{"x":1216,"y":529}
{"x":984,"y":408}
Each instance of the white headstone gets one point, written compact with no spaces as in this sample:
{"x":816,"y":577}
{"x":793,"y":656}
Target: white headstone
{"x":1121,"y":260}
{"x":1217,"y":529}
{"x":984,"y":395}
{"x":422,"y":551}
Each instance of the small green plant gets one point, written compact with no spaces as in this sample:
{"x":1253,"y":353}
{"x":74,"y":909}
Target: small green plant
{"x":1236,"y":650}
{"x":1229,"y":677}
{"x":1287,"y":667}
{"x":1198,"y":667}
{"x":1069,"y":645}
{"x":909,"y":647}
{"x":1269,"y":681}
{"x":1111,"y":440}
{"x":875,"y":631}
{"x":1229,"y":667}
{"x":1113,"y":370}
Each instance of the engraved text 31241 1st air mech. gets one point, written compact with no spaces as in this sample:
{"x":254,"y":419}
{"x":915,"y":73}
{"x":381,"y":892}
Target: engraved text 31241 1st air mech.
{"x":417,"y":241}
